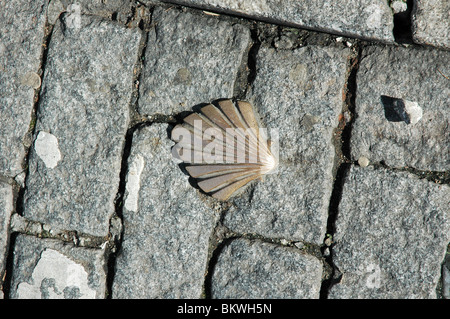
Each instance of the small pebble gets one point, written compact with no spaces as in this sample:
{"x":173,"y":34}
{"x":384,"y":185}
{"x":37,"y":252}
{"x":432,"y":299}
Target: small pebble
{"x":32,"y":79}
{"x":363,"y":161}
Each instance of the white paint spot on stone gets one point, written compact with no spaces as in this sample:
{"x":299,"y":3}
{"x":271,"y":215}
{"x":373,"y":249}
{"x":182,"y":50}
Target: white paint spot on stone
{"x":134,"y":183}
{"x":414,"y":111}
{"x":47,"y":148}
{"x":56,"y":277}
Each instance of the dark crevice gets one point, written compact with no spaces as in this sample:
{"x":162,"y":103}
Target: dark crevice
{"x":219,"y":238}
{"x":116,"y":243}
{"x":343,"y":155}
{"x":212,"y":261}
{"x":402,"y":25}
{"x":336,"y":196}
{"x":251,"y":60}
{"x":144,"y":26}
{"x":222,"y":237}
{"x":9,"y":267}
{"x":136,"y":122}
{"x":350,"y":102}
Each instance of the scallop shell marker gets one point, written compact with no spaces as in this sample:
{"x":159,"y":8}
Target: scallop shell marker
{"x":223,"y":147}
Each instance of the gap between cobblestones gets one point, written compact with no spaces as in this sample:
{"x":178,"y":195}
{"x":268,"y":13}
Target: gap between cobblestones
{"x":402,"y":24}
{"x":342,"y":165}
{"x":19,"y":190}
{"x":136,"y":121}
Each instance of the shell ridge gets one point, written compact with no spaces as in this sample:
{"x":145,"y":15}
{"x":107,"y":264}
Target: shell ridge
{"x":214,"y":184}
{"x":226,"y":192}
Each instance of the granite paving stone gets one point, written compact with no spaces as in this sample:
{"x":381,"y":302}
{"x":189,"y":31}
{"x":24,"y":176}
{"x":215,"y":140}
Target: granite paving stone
{"x":389,"y":80}
{"x":298,"y":93}
{"x":359,"y":18}
{"x":392,"y":232}
{"x":189,"y":59}
{"x":81,"y":123}
{"x":167,"y":225}
{"x":431,"y":22}
{"x":51,"y":269}
{"x":254,"y":269}
{"x":22,"y":26}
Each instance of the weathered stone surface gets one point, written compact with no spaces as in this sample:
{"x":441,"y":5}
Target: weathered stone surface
{"x":360,"y":18}
{"x":21,"y":34}
{"x":119,"y":10}
{"x":392,"y":231}
{"x":166,"y":225}
{"x":431,"y":22}
{"x":50,"y":269}
{"x":6,"y":208}
{"x":299,"y":93}
{"x":189,"y":59}
{"x":380,"y":134}
{"x":74,"y":175}
{"x":254,"y":269}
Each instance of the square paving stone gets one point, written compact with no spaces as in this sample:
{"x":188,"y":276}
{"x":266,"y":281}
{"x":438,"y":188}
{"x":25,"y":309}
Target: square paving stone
{"x":21,"y":34}
{"x":392,"y":231}
{"x":189,"y":59}
{"x":82,"y":119}
{"x":396,"y":85}
{"x":254,"y":269}
{"x":51,"y":269}
{"x":431,"y":22}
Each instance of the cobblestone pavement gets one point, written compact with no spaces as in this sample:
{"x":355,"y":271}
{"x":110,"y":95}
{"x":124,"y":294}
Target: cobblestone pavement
{"x":92,"y":205}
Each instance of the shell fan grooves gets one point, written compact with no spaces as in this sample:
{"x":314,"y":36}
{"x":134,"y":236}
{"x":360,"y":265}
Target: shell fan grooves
{"x":223,"y":147}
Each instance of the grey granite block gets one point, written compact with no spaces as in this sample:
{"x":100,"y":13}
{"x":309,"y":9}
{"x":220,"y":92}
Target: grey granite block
{"x":254,"y":269}
{"x":82,"y":119}
{"x":392,"y":231}
{"x":50,"y":269}
{"x":189,"y":59}
{"x":402,"y":105}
